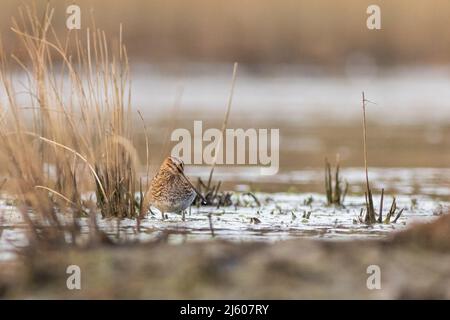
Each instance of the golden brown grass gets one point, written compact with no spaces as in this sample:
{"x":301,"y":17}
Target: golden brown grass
{"x":74,"y":134}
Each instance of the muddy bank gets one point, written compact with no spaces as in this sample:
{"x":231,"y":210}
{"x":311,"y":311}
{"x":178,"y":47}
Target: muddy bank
{"x":414,"y":264}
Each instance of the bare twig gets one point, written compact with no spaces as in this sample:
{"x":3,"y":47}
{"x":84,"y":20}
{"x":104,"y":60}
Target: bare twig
{"x":224,"y":125}
{"x":370,"y":218}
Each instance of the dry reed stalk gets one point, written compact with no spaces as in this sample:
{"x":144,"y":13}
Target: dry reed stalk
{"x":224,"y":124}
{"x":370,"y":217}
{"x":77,"y":137}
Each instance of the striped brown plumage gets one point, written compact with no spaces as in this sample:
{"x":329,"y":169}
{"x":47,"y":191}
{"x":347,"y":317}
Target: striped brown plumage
{"x":170,"y":190}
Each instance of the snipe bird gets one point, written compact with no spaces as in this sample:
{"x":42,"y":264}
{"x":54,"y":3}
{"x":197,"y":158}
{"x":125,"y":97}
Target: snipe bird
{"x":170,"y":190}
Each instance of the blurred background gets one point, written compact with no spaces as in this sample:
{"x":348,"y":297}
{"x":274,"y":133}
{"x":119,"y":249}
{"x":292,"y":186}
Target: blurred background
{"x":319,"y":32}
{"x":303,"y":65}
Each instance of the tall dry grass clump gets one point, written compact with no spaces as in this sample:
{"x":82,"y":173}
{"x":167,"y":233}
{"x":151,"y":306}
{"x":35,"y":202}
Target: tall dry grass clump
{"x":65,"y":133}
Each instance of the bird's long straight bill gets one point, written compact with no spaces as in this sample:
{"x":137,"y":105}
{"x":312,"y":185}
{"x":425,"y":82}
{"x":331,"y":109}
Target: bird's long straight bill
{"x":195,"y":189}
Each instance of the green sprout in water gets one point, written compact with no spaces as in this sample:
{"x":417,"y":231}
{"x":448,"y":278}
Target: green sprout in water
{"x":335,"y":190}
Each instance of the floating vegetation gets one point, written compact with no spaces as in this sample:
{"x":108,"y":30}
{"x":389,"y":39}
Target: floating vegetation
{"x":255,"y":220}
{"x":309,"y":201}
{"x":216,"y":198}
{"x":439,"y":210}
{"x":247,"y":200}
{"x":279,"y":210}
{"x":213,"y":196}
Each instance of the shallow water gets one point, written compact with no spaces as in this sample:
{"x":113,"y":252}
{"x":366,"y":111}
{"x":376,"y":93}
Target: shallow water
{"x":303,"y":104}
{"x":299,"y":94}
{"x":431,"y":182}
{"x":281,"y":215}
{"x":284,"y":216}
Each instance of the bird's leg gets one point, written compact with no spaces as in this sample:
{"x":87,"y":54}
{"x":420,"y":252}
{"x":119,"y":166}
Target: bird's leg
{"x":162,"y":215}
{"x":183,"y":215}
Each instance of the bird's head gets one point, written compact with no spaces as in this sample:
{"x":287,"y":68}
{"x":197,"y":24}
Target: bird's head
{"x":173,"y":165}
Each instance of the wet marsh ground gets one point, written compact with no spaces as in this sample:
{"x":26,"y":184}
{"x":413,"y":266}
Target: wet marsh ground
{"x":293,"y":202}
{"x":414,"y":264}
{"x":73,"y":153}
{"x":289,"y":246}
